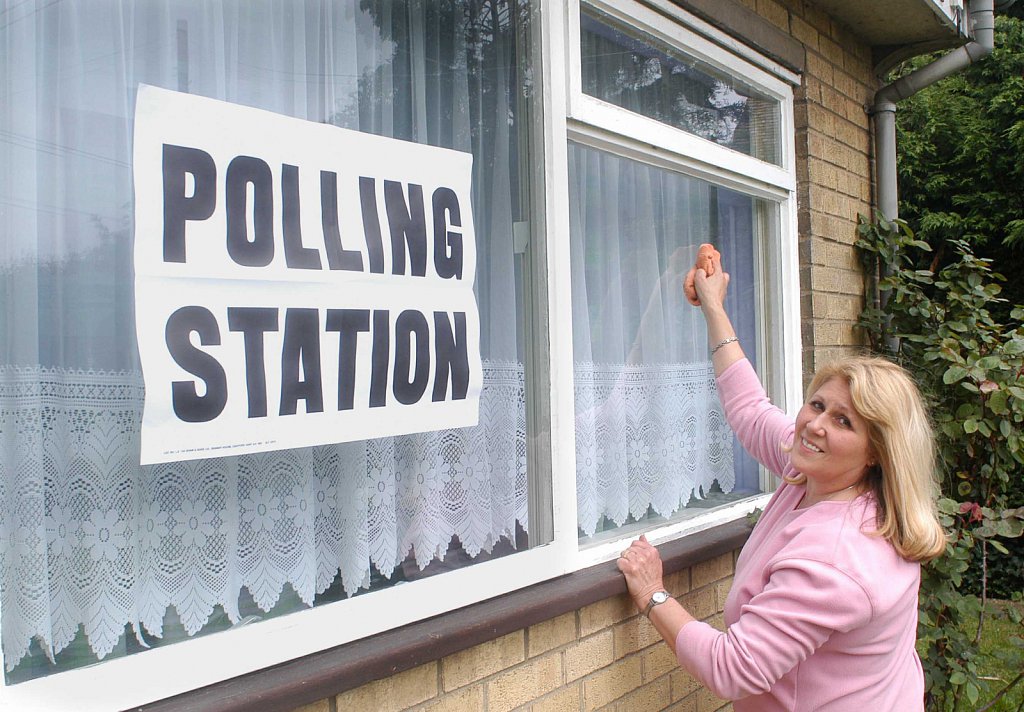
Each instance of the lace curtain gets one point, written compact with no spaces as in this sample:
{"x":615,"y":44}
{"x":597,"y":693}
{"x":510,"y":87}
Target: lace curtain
{"x":93,"y":542}
{"x":91,"y":539}
{"x":650,"y":432}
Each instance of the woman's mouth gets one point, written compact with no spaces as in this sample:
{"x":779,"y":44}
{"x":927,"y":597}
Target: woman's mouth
{"x":809,"y":445}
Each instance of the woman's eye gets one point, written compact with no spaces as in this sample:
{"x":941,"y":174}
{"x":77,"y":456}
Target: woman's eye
{"x":845,"y":422}
{"x":817,"y":405}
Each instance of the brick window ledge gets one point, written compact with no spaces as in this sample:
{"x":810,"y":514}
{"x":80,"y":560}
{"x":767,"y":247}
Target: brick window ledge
{"x":329,"y":672}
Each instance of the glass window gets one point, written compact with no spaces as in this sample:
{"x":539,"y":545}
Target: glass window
{"x":102,"y":557}
{"x":635,"y":71}
{"x":651,"y":438}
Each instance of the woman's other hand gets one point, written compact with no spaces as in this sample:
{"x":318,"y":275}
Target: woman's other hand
{"x":641,"y":565}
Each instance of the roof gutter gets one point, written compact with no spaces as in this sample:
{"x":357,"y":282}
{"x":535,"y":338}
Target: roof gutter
{"x":883,"y":108}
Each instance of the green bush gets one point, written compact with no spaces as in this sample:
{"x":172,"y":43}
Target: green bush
{"x":937,"y":321}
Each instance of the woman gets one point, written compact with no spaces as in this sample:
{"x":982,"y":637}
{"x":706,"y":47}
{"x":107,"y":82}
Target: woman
{"x":822,"y":614}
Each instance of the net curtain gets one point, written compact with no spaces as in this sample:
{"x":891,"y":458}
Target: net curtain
{"x":93,"y":542}
{"x":650,"y":431}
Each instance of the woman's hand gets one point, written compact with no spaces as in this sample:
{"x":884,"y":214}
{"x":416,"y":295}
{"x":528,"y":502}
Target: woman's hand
{"x":711,"y":289}
{"x":641,"y":565}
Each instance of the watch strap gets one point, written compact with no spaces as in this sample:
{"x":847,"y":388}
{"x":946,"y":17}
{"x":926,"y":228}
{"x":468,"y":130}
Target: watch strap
{"x":657,"y":598}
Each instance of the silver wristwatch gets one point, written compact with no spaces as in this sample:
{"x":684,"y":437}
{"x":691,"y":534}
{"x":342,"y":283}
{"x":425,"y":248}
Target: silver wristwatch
{"x":657,"y":598}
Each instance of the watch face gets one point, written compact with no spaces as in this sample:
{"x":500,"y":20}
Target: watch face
{"x":660,"y":596}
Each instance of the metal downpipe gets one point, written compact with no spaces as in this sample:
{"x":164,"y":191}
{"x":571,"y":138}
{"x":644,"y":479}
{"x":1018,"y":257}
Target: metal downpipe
{"x":883,"y":111}
{"x":883,"y":108}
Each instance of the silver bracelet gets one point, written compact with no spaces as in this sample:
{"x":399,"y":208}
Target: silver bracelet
{"x":722,"y":343}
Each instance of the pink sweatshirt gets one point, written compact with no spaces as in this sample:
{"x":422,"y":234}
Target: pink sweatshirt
{"x":822,"y":615}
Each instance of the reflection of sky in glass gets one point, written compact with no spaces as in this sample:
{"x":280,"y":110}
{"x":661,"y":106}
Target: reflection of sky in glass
{"x":638,"y":73}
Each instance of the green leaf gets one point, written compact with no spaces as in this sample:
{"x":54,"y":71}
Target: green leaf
{"x":1014,"y":347}
{"x":972,"y":693}
{"x":998,"y":402}
{"x":954,"y":374}
{"x":957,"y":678}
{"x":970,"y":426}
{"x":990,"y":362}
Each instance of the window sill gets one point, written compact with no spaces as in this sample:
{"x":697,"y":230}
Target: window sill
{"x":330,"y":672}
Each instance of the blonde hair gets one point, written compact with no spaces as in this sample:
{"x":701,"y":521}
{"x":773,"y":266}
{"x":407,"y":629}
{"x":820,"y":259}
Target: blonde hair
{"x":903,"y":447}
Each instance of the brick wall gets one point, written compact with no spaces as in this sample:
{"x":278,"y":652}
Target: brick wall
{"x":833,"y":146}
{"x":601,"y":657}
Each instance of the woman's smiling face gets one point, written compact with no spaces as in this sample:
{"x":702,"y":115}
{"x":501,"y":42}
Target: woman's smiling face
{"x":831,"y":445}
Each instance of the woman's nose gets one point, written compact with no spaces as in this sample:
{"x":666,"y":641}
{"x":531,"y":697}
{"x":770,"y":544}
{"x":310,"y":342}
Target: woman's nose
{"x":817,"y":423}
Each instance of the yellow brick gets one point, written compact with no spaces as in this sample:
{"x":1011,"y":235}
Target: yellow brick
{"x":804,"y":32}
{"x":321,"y":706}
{"x":839,"y":281}
{"x":818,"y":144}
{"x":706,"y":702}
{"x":819,"y":19}
{"x":588,"y":655}
{"x":832,"y":51}
{"x":551,"y":634}
{"x":836,"y":333}
{"x":394,"y":693}
{"x":847,"y":85}
{"x":654,"y":696}
{"x":836,"y":306}
{"x":722,"y":592}
{"x":827,"y":201}
{"x":611,"y":683}
{"x":701,"y":603}
{"x":835,"y":102}
{"x":687,"y":705}
{"x":566,"y":699}
{"x":634,"y":634}
{"x":524,"y":683}
{"x":604,"y":614}
{"x":467,"y":698}
{"x":823,"y":225}
{"x":854,"y":186}
{"x":823,"y":174}
{"x":482,"y":660}
{"x":821,"y":119}
{"x":678,"y":583}
{"x":712,"y":570}
{"x":820,"y":68}
{"x":717,"y":621}
{"x":683,"y":685}
{"x":834,"y":254}
{"x":774,"y":13}
{"x":658,"y":660}
{"x":854,"y":135}
{"x":823,"y":355}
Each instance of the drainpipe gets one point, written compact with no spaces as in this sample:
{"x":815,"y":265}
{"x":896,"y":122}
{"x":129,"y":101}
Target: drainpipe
{"x":883,"y":109}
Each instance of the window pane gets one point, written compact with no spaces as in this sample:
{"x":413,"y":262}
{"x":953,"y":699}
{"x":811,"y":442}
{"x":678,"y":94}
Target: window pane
{"x":102,"y":557}
{"x":637,"y":72}
{"x":651,"y":439}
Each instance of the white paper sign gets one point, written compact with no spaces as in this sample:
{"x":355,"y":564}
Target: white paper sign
{"x":297,"y":283}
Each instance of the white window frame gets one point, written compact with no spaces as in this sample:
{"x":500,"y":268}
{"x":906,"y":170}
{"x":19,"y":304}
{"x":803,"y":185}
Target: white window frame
{"x":601,"y":125}
{"x":564,"y":113}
